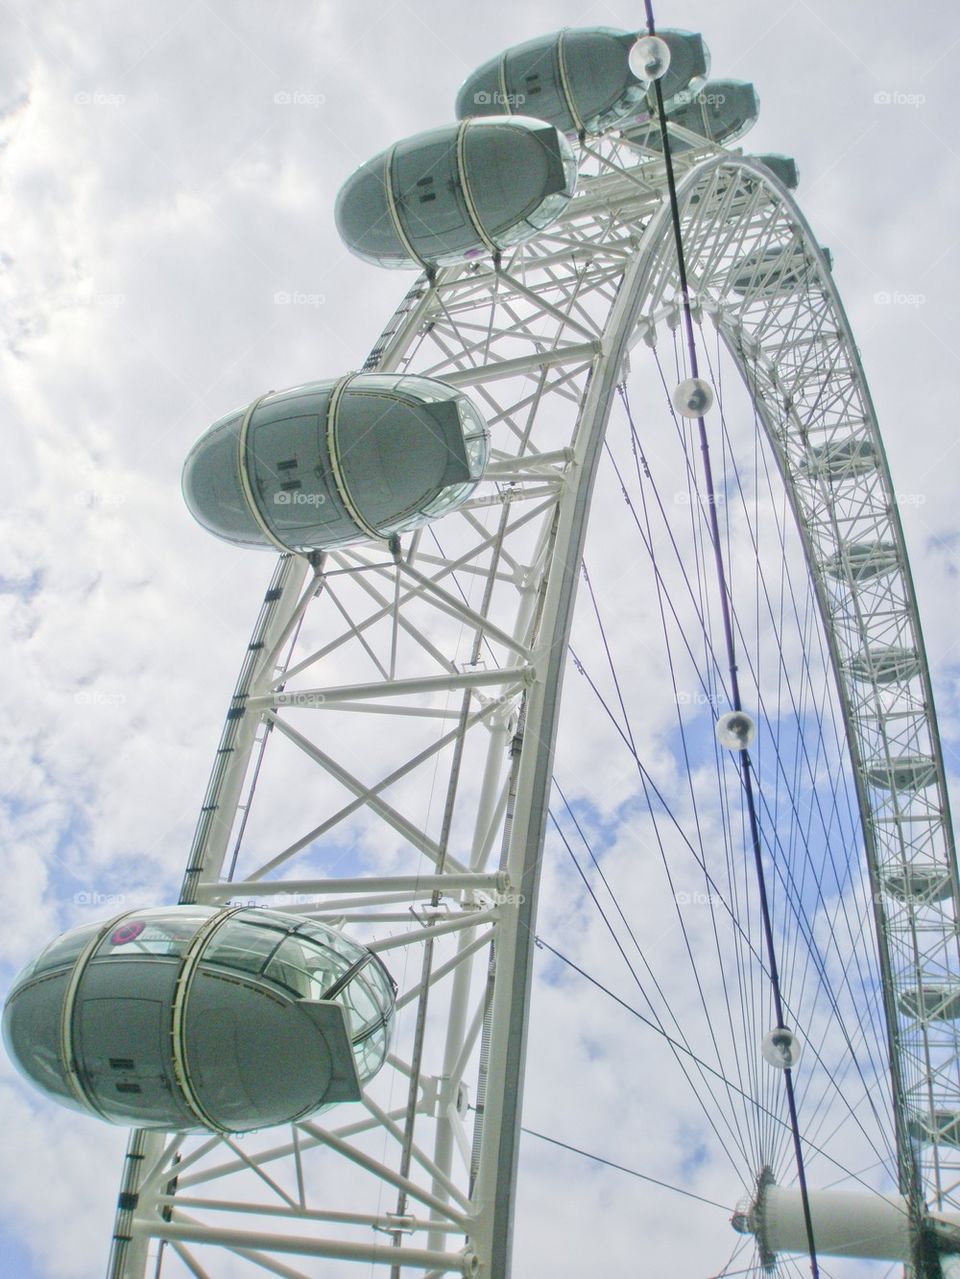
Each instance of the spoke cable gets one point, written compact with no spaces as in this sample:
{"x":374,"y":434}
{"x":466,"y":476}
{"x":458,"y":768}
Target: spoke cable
{"x":631,"y":1172}
{"x":731,"y":652}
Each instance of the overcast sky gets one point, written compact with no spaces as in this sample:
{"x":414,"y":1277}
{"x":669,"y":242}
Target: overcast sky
{"x":166,"y":171}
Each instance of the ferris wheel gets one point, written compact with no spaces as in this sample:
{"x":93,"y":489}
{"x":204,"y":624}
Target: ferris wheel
{"x":765,"y":895}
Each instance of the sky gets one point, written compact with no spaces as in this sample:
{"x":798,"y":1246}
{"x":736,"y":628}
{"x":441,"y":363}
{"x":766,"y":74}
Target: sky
{"x":167,"y":179}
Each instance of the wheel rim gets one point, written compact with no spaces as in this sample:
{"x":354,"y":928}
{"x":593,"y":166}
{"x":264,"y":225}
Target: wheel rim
{"x":576,"y":268}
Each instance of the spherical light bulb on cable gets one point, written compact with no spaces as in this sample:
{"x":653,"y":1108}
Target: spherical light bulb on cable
{"x":736,"y":730}
{"x":693,"y":397}
{"x":781,"y":1048}
{"x":649,"y":58}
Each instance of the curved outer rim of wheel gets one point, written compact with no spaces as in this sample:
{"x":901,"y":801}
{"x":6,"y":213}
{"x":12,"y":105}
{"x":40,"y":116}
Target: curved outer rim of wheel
{"x":911,"y":1179}
{"x":657,"y":246}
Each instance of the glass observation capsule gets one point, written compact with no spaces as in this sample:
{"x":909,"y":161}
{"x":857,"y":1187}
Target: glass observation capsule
{"x":931,"y":1003}
{"x":192,"y":1017}
{"x":578,"y":80}
{"x":886,"y":664}
{"x":839,"y":460}
{"x":861,"y":561}
{"x":783,"y":167}
{"x":720,"y":112}
{"x":456,"y":193}
{"x":335,"y":462}
{"x":909,"y":773}
{"x":940,"y":1125}
{"x":922,"y":883}
{"x":776,"y":271}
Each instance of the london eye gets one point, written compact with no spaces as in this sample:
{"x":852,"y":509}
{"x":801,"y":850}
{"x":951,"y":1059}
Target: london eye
{"x":682,"y":763}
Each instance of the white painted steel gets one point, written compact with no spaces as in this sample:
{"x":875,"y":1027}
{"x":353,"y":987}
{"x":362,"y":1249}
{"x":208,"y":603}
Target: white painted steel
{"x":846,"y":1224}
{"x":541,"y":347}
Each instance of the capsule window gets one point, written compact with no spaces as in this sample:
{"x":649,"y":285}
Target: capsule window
{"x":244,"y":944}
{"x":335,"y":941}
{"x":360,"y":1004}
{"x":309,"y":971}
{"x":31,"y":1029}
{"x":476,"y":454}
{"x":371,"y":1050}
{"x":426,"y":390}
{"x":65,"y":950}
{"x":156,"y":931}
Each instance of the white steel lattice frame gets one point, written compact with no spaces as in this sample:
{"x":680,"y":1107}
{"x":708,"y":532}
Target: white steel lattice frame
{"x":540,"y":345}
